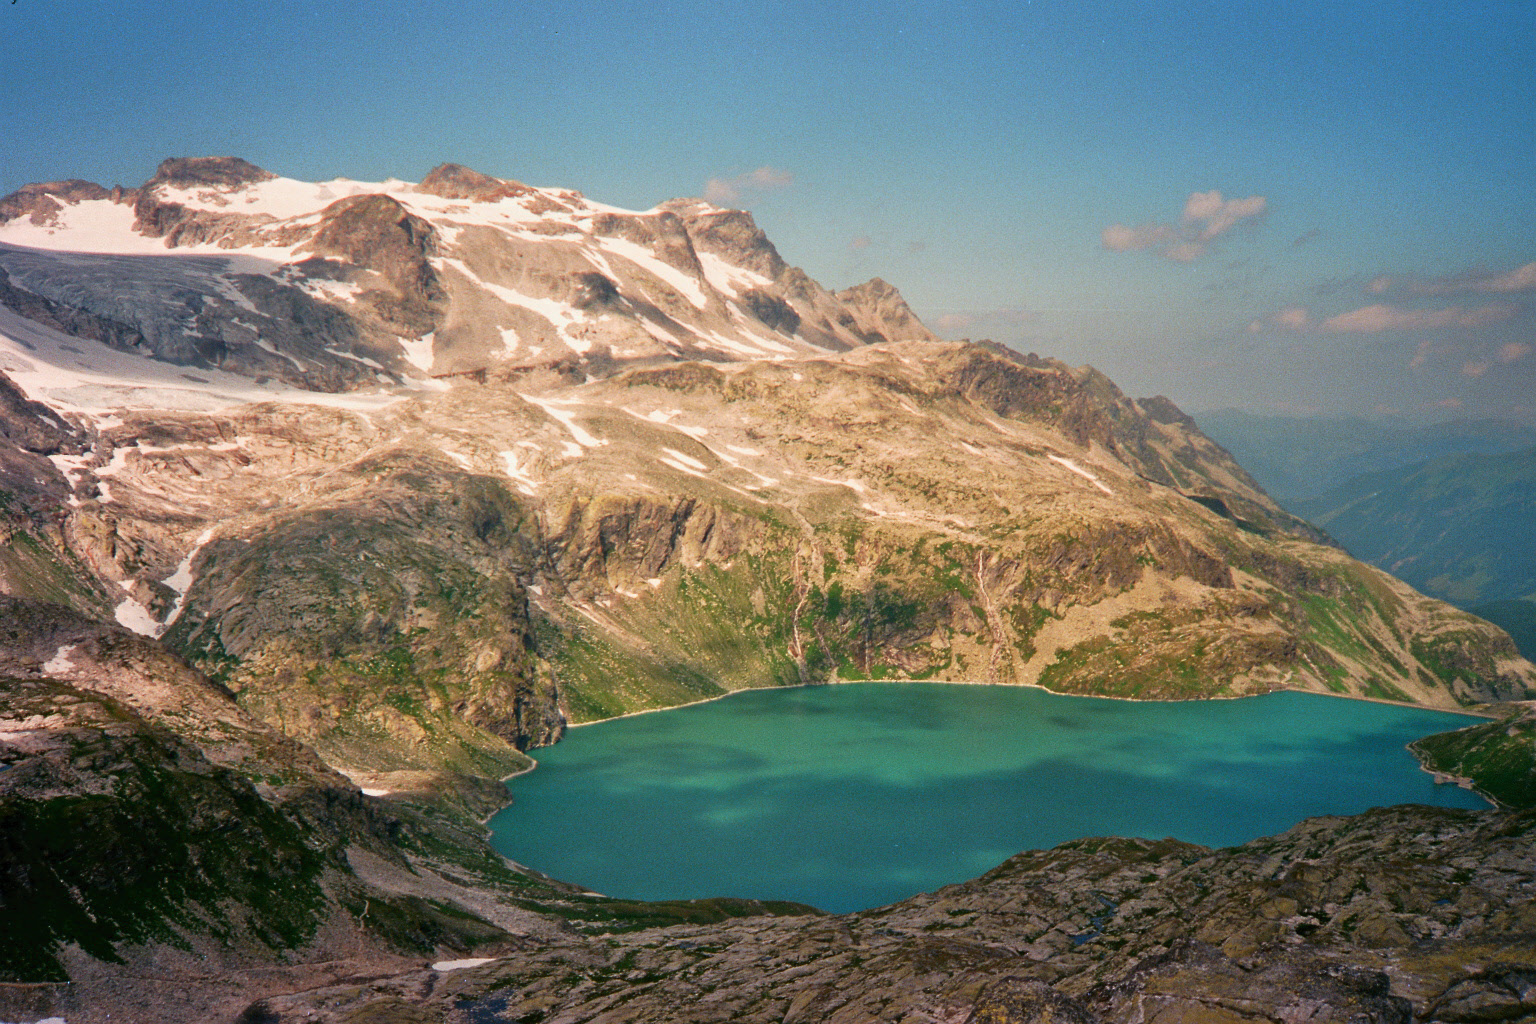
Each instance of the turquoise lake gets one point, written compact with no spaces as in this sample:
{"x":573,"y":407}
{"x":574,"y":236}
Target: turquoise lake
{"x":858,"y":795}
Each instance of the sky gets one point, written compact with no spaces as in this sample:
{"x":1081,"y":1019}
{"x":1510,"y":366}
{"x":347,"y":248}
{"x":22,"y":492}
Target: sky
{"x":1316,"y":208}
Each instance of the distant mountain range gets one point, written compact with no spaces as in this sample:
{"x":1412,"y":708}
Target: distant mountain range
{"x":1461,"y":528}
{"x":1302,"y":458}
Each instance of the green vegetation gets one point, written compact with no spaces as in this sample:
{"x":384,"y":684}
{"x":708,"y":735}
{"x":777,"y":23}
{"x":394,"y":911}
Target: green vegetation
{"x":178,"y":846}
{"x":1499,"y":758}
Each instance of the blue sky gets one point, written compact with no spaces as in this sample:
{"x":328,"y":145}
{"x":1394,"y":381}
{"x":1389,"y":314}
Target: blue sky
{"x":1314,"y":207}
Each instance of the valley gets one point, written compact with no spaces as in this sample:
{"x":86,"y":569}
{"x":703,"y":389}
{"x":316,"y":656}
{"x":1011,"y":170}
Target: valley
{"x":325,"y":503}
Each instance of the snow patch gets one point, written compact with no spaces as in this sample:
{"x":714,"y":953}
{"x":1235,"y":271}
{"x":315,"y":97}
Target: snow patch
{"x":180,"y":581}
{"x":327,"y":290}
{"x":267,"y":346}
{"x":456,"y":457}
{"x":1080,"y":471}
{"x":646,"y":260}
{"x":377,"y":792}
{"x":686,"y":459}
{"x":857,"y":485}
{"x":659,"y":333}
{"x":459,"y":965}
{"x":729,"y":279}
{"x":559,"y":315}
{"x":418,"y":352}
{"x":375,"y":364}
{"x":525,"y":483}
{"x":59,"y":663}
{"x":568,"y":419}
{"x":135,"y":616}
{"x":70,"y":466}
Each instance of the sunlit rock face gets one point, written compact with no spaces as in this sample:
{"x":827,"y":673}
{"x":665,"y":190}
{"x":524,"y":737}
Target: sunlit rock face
{"x":216,"y":263}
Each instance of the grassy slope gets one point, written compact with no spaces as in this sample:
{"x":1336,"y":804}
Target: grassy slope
{"x":1499,"y":757}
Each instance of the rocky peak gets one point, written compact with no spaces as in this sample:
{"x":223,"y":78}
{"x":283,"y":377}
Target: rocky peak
{"x":1160,"y":409}
{"x":214,"y":171}
{"x":159,"y":216}
{"x":882,"y":313}
{"x":455,"y":181}
{"x":41,"y":202}
{"x":357,"y":228}
{"x":375,"y":233}
{"x":730,"y":234}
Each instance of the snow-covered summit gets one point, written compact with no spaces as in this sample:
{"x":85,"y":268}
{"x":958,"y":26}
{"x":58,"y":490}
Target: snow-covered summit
{"x":335,"y":285}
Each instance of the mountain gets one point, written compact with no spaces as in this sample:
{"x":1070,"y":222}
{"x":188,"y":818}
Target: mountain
{"x":1301,"y":458}
{"x":220,"y":265}
{"x":324,"y":503}
{"x":1457,"y":528}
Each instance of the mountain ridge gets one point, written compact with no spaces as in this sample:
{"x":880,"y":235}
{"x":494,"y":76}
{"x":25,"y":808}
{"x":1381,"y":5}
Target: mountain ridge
{"x":457,"y":274}
{"x":261,"y":546}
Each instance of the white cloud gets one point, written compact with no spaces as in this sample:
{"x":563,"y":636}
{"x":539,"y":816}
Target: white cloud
{"x":1295,"y":318}
{"x":1215,"y":216}
{"x":1469,"y":282}
{"x":1207,"y":216}
{"x":1521,"y":279}
{"x":1119,"y":238}
{"x":731,"y":190}
{"x":1382,"y":317}
{"x":1291,"y":318}
{"x":1510,"y":352}
{"x":1007,"y":322}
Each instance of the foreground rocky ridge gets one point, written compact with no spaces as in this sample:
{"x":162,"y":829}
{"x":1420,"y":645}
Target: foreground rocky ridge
{"x":1395,"y":915}
{"x":185,"y":863}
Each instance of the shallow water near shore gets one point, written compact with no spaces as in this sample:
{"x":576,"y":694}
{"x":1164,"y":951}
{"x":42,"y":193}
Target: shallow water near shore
{"x":858,"y":795}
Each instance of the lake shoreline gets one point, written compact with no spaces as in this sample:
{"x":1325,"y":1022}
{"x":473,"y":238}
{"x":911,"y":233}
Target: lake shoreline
{"x":1263,"y":754}
{"x":1440,"y":777}
{"x":1029,"y":686}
